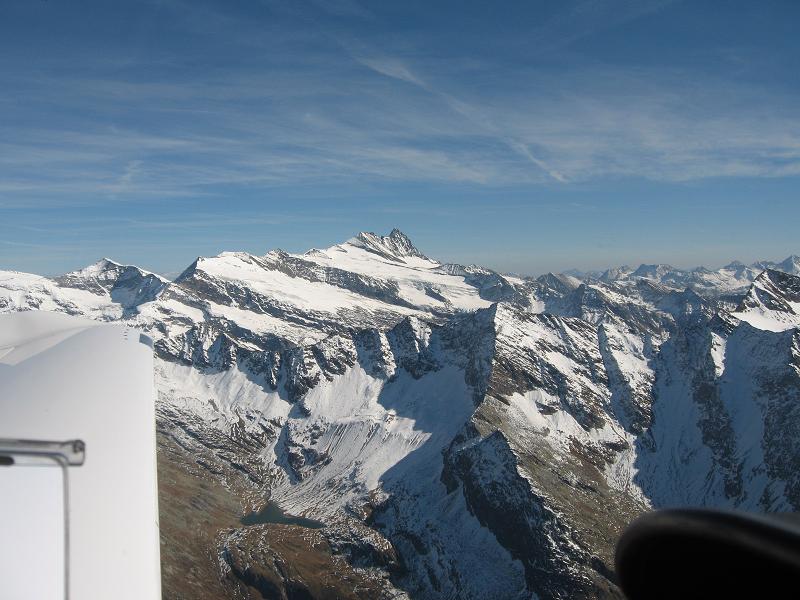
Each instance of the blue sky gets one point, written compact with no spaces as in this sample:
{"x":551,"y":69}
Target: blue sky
{"x":526,"y":136}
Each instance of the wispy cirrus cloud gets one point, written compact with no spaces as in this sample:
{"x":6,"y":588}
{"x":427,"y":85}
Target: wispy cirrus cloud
{"x":267,"y":106}
{"x":606,"y":121}
{"x":597,"y":123}
{"x":583,"y":18}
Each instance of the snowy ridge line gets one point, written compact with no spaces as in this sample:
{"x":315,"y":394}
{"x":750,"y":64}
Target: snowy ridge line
{"x":443,"y":411}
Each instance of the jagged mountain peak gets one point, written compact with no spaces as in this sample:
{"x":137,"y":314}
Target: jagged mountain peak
{"x":616,"y":273}
{"x":653,"y":270}
{"x":735,"y":264}
{"x":107,"y":269}
{"x":772,"y":302}
{"x":783,"y":280}
{"x":126,"y":285}
{"x":791,"y":265}
{"x":559,"y":282}
{"x":187,"y":272}
{"x":106,"y":262}
{"x":96,"y":268}
{"x":396,"y":245}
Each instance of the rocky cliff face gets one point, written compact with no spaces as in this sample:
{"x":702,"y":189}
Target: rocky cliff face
{"x":460,"y":433}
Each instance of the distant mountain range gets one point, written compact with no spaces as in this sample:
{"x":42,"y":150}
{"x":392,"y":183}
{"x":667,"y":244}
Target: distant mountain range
{"x":733,"y":277}
{"x":460,"y":433}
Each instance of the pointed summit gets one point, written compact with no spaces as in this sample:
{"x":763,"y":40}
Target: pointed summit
{"x":402,"y":243}
{"x":734,"y":265}
{"x":95,"y":269}
{"x":772,"y":301}
{"x":127,"y":285}
{"x":561,"y":283}
{"x":790,"y":265}
{"x":394,"y":246}
{"x":616,"y":273}
{"x":655,"y":271}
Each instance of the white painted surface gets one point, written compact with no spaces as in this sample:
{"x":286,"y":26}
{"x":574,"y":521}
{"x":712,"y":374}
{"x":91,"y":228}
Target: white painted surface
{"x":62,"y":378}
{"x":32,"y":520}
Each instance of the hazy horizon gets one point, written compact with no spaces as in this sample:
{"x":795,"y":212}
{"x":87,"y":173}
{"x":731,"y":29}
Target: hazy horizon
{"x":171,"y":274}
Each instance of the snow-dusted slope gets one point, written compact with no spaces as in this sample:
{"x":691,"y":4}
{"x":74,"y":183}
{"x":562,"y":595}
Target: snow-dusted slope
{"x":461,"y":433}
{"x":772,"y":303}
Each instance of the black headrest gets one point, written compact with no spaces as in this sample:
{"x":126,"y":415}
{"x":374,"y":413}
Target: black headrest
{"x":693,"y":553}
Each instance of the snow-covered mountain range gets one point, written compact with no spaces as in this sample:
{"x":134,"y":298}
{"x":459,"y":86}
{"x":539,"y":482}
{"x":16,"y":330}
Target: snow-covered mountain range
{"x":460,"y":433}
{"x":734,"y":277}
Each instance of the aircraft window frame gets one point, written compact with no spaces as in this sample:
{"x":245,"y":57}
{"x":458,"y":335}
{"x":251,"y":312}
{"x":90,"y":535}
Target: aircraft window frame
{"x":17,"y":453}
